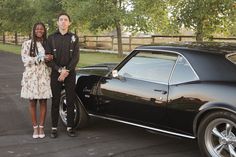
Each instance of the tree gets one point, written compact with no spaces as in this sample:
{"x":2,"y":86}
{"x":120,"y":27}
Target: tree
{"x":19,"y":16}
{"x":203,"y":16}
{"x":99,"y":14}
{"x":47,"y":11}
{"x":230,"y":26}
{"x":152,"y":16}
{"x":135,"y":15}
{"x":16,"y":15}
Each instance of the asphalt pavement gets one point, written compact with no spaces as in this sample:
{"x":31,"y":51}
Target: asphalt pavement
{"x":100,"y":139}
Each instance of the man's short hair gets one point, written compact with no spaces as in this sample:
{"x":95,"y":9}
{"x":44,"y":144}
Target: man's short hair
{"x":59,"y":15}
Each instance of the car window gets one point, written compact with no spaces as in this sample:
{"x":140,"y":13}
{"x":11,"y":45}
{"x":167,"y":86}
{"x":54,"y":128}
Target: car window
{"x":183,"y":72}
{"x":232,"y":57}
{"x":149,"y":66}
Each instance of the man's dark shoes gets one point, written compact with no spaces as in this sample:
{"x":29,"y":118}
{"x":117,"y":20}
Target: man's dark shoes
{"x":71,"y":132}
{"x":54,"y":133}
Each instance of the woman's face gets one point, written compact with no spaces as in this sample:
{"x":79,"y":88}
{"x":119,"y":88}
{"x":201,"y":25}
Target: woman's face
{"x":39,"y":31}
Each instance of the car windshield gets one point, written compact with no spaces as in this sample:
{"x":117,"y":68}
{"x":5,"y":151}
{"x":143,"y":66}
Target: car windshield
{"x":232,"y":57}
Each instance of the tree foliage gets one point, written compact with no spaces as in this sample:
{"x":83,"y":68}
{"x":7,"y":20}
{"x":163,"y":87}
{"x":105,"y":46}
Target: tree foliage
{"x":165,"y":17}
{"x":152,"y":16}
{"x":20,"y":15}
{"x":16,"y":15}
{"x":47,"y":11}
{"x":203,"y":16}
{"x":134,"y":15}
{"x":99,"y":14}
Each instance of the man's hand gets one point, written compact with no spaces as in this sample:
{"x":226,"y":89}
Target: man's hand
{"x":64,"y":73}
{"x":48,"y":57}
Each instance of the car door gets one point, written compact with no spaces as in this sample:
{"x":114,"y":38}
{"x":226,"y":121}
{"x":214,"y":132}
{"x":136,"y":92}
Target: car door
{"x":139,"y":93}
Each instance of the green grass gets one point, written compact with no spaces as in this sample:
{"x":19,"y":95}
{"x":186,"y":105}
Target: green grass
{"x":10,"y":48}
{"x":91,"y":58}
{"x":86,"y":58}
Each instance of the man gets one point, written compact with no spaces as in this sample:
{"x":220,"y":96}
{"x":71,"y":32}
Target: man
{"x":65,"y":49}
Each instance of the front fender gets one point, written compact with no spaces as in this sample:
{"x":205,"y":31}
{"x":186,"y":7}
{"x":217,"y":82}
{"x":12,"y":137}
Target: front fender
{"x":211,"y":107}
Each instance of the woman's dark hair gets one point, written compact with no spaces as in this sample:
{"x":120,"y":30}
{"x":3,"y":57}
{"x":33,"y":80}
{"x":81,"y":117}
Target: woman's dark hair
{"x":33,"y":47}
{"x":59,"y":15}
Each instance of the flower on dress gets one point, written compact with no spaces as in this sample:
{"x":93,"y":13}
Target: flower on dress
{"x":40,"y":57}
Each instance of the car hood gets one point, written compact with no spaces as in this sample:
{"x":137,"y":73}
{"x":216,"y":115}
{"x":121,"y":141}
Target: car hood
{"x":98,"y":69}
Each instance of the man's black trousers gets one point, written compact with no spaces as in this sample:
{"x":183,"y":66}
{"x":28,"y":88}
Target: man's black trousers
{"x":57,"y":87}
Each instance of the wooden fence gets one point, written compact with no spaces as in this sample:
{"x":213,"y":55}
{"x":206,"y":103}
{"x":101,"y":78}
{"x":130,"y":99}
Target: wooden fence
{"x":110,"y":42}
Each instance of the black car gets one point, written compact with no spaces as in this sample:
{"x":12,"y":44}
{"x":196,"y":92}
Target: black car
{"x":182,"y":91}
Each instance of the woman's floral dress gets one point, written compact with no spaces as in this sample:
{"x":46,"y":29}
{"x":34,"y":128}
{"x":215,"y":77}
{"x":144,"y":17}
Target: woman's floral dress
{"x":36,"y":77}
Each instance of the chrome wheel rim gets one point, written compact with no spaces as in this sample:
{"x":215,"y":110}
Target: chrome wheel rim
{"x":220,"y":138}
{"x":63,"y":110}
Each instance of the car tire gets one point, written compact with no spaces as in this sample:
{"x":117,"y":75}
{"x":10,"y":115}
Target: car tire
{"x":81,"y":116}
{"x":217,"y":134}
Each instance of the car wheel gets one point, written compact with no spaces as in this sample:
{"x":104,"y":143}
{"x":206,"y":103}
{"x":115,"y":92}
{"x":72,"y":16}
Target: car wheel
{"x":217,"y":135}
{"x":81,"y":116}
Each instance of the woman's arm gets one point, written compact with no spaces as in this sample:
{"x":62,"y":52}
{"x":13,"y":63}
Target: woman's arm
{"x":25,"y":54}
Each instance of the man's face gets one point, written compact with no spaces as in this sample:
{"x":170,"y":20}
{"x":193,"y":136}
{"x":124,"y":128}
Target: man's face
{"x":63,"y":22}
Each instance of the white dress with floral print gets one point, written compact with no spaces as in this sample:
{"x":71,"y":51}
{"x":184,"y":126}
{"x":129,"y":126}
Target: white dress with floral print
{"x":36,"y":77}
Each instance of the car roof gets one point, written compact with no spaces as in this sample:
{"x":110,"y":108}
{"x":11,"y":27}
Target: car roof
{"x":210,"y":64}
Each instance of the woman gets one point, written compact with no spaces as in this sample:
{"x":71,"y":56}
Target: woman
{"x":36,"y":77}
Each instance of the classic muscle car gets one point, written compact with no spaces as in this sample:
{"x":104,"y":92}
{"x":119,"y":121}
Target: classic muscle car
{"x":183,"y":91}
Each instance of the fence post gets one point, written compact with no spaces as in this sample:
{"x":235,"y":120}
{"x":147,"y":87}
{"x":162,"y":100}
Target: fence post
{"x":180,"y":38}
{"x":153,"y":39}
{"x":130,"y":42}
{"x":96,"y":42}
{"x":16,"y":40}
{"x":3,"y":38}
{"x":112,"y":42}
{"x":85,"y":41}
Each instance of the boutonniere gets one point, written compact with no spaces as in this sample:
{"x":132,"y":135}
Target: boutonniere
{"x":72,"y":38}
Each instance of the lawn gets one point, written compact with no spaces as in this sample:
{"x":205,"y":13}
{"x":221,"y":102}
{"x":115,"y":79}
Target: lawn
{"x":86,"y":58}
{"x":10,"y":48}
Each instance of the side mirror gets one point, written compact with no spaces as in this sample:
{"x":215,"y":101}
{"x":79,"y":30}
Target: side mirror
{"x":114,"y":73}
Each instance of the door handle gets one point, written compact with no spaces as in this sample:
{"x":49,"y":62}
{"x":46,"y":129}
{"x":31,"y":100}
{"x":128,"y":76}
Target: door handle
{"x":161,"y":91}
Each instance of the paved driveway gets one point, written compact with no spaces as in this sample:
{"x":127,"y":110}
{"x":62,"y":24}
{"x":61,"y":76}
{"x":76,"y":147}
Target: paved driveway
{"x":102,"y":138}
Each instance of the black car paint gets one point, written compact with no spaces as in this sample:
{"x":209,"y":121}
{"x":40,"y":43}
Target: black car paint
{"x":186,"y":105}
{"x":199,"y":96}
{"x":123,"y":98}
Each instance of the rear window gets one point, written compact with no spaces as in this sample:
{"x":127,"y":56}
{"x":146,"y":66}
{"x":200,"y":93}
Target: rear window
{"x":231,"y":57}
